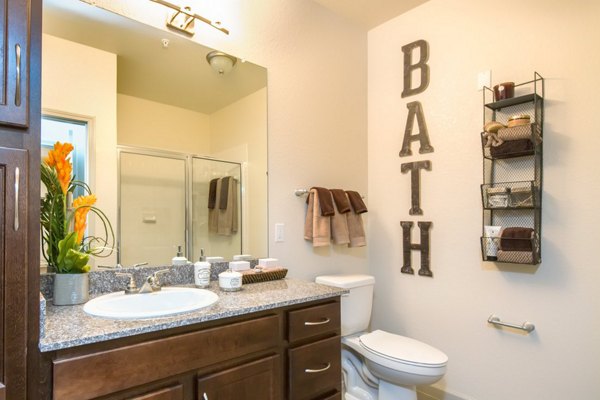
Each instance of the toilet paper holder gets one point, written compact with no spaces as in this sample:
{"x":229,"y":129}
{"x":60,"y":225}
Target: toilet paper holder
{"x":525,"y":326}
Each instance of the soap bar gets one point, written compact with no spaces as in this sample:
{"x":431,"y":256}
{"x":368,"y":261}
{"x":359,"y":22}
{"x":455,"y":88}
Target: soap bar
{"x":242,"y":257}
{"x":268,"y":262}
{"x":239,"y":265}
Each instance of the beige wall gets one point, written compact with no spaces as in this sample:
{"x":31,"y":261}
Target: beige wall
{"x":82,"y":81}
{"x":561,"y":358}
{"x":317,"y":107}
{"x":149,"y":124}
{"x":239,"y":133}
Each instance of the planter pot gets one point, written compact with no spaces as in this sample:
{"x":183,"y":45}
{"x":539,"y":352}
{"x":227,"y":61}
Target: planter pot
{"x":70,"y":289}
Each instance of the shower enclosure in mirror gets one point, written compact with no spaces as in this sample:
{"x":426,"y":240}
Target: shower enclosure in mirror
{"x":176,"y":117}
{"x":168,"y":199}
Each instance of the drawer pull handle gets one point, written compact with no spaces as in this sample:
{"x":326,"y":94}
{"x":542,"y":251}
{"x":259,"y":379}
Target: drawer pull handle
{"x":316,"y":371}
{"x":18,"y":77}
{"x":325,"y":321}
{"x":205,"y":397}
{"x":17,"y":178}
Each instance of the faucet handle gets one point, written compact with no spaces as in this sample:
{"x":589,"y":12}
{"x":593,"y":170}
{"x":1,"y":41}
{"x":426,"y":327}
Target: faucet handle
{"x":131,"y":287}
{"x":153,"y":278}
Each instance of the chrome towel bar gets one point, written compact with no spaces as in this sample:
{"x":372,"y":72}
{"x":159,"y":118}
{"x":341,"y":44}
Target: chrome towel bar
{"x":525,"y":326}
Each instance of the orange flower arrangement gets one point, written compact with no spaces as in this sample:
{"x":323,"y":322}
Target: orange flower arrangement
{"x":66,"y":249}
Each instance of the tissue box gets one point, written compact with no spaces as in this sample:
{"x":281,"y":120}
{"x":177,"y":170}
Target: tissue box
{"x":268,"y":262}
{"x":239,"y":265}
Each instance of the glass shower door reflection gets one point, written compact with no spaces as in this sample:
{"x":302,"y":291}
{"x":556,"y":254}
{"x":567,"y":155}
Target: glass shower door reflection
{"x":216,"y":208}
{"x":152,"y":214}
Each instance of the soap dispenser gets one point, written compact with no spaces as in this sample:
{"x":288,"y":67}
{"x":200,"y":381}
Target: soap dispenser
{"x":179,"y":259}
{"x":202,"y":271}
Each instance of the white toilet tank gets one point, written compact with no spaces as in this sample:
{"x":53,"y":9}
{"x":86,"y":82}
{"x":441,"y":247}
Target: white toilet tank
{"x":356,"y":306}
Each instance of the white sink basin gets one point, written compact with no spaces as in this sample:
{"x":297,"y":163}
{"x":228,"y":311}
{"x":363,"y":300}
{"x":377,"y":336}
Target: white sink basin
{"x":166,"y":302}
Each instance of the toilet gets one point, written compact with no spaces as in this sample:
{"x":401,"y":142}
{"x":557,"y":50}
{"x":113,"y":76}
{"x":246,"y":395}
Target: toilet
{"x":379,"y":365}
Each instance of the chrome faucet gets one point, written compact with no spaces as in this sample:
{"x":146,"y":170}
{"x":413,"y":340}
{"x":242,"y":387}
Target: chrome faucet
{"x":152,"y":283}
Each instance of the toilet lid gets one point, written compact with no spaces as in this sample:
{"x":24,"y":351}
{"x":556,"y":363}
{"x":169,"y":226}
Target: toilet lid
{"x":403,"y":349}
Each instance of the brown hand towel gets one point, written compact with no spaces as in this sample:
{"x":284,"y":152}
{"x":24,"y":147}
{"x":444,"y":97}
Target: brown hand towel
{"x":224,"y":199}
{"x":516,"y":239}
{"x":212,"y":193}
{"x":339,"y":224}
{"x":512,"y":148}
{"x":325,"y":201}
{"x":357,"y":202}
{"x":341,"y":201}
{"x":227,"y":221}
{"x":317,"y":228}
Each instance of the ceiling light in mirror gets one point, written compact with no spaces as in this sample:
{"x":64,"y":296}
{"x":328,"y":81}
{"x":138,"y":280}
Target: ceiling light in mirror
{"x":221,"y":62}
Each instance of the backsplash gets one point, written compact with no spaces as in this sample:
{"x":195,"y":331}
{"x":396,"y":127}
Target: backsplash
{"x":105,"y":281}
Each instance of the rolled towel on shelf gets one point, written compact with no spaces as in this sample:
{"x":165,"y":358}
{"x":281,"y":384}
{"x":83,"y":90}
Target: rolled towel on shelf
{"x":516,"y":239}
{"x":529,"y":131}
{"x":512,"y":148}
{"x":519,"y":257}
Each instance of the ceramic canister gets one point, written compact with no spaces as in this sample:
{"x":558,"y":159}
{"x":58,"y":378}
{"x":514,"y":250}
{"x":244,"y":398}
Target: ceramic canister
{"x":230,"y":281}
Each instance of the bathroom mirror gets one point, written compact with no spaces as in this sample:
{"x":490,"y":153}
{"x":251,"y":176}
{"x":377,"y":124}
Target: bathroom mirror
{"x":161,"y":125}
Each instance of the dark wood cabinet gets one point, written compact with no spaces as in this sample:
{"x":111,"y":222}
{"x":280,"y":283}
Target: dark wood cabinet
{"x":13,"y":272}
{"x":14,"y":62}
{"x":20,"y":119}
{"x":248,"y":357}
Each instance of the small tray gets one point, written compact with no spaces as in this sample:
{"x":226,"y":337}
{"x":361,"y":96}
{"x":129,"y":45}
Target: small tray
{"x":255,"y":277}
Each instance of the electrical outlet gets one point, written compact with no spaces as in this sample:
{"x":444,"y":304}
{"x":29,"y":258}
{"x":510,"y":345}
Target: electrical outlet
{"x":484,"y":78}
{"x":279,"y":232}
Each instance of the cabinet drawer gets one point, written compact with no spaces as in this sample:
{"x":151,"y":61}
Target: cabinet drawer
{"x":170,"y":393}
{"x":313,"y":321}
{"x":129,"y":366}
{"x":315,"y":369}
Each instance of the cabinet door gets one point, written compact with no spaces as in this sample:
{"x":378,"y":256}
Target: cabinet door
{"x":252,"y":381}
{"x":13,"y":272}
{"x":14,"y":62}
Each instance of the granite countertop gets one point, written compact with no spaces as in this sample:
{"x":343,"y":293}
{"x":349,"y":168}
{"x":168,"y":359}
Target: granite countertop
{"x":70,"y":326}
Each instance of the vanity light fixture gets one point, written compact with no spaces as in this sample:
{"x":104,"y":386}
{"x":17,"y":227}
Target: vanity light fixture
{"x":221,"y":62}
{"x":183,"y":19}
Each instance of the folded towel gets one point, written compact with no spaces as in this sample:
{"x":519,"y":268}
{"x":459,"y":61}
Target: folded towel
{"x":516,"y":239}
{"x":317,"y":227}
{"x":212,"y":193}
{"x":341,"y":200}
{"x":357,"y":202}
{"x":224,"y":197}
{"x":512,"y":148}
{"x":520,"y":257}
{"x":228,"y":217}
{"x":325,"y":201}
{"x":356,"y":230}
{"x":529,"y":131}
{"x":339,"y":224}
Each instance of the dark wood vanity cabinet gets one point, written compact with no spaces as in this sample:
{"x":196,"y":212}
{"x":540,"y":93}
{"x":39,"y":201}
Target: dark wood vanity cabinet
{"x":286,"y":353}
{"x":14,"y":62}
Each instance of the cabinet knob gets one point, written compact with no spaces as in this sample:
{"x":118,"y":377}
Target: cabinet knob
{"x":325,"y":321}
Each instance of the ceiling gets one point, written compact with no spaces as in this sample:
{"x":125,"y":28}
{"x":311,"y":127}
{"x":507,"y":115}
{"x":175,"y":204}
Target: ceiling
{"x":178,"y":75}
{"x":370,"y":13}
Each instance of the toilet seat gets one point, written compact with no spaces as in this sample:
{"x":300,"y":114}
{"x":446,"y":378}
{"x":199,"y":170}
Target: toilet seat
{"x":400,"y":349}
